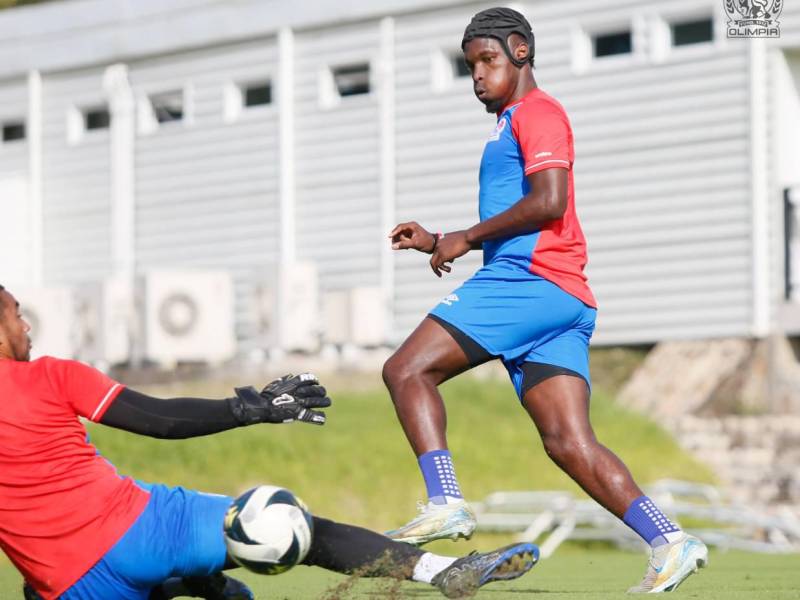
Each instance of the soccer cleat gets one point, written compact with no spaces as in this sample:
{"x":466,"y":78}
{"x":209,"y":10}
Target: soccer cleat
{"x":436,"y":522}
{"x":671,"y":564}
{"x":467,"y":574}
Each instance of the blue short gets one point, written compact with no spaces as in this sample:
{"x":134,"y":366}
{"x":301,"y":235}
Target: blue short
{"x":525,"y":322}
{"x":178,"y":534}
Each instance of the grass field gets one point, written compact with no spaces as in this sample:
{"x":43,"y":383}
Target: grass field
{"x":358,"y":468}
{"x":572,"y":573}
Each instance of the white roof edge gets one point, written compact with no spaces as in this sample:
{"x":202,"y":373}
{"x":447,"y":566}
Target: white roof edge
{"x":71,"y":34}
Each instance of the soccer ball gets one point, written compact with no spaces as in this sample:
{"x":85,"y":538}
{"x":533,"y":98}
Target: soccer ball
{"x":268,"y":530}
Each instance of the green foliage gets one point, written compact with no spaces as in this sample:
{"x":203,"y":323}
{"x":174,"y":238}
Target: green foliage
{"x":359,"y":466}
{"x":10,"y":3}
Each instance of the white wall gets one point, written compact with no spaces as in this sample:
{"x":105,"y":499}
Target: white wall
{"x":16,"y":251}
{"x":207,"y":187}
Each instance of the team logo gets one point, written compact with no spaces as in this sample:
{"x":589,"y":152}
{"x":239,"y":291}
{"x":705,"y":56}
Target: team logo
{"x":450,"y":299}
{"x":498,"y":130}
{"x":753,"y":18}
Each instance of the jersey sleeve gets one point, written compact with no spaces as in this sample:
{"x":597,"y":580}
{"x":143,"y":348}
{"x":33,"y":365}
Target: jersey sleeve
{"x":85,"y":389}
{"x":543,"y":133}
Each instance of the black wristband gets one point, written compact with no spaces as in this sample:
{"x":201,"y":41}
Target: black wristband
{"x":436,"y":237}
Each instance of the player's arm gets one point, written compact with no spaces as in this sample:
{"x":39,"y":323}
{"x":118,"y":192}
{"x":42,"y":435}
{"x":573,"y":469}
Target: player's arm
{"x":546,"y":202}
{"x":290,"y":398}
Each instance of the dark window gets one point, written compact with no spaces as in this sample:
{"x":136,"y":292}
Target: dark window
{"x":692,"y":32}
{"x":460,"y":68}
{"x":168,"y":107}
{"x":13,"y":131}
{"x":352,"y":80}
{"x":97,"y":118}
{"x":610,"y":44}
{"x":257,"y":94}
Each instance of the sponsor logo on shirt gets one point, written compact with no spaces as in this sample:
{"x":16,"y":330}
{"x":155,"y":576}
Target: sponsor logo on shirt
{"x":498,"y":130}
{"x":542,"y":154}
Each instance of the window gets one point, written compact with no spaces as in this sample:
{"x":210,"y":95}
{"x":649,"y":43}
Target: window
{"x":257,"y":94}
{"x":351,"y":80}
{"x":692,"y":32}
{"x":612,"y":44}
{"x":13,"y":131}
{"x":459,"y":66}
{"x":96,"y":118}
{"x":167,"y":107}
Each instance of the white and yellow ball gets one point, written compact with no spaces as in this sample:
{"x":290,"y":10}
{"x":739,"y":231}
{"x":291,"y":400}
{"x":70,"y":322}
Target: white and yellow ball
{"x":268,"y":530}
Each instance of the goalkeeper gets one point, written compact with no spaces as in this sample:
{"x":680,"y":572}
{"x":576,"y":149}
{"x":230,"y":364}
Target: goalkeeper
{"x":78,"y":530}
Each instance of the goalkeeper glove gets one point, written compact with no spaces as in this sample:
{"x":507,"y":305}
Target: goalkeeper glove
{"x":290,"y":398}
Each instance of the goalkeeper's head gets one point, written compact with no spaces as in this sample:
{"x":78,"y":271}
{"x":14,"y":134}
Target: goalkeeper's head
{"x":498,"y":48}
{"x":14,"y":341}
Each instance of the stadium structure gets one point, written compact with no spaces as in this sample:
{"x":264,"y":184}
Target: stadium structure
{"x":278,"y":142}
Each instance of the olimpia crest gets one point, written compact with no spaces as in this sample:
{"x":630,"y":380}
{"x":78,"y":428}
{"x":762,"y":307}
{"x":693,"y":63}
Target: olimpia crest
{"x":753,"y":18}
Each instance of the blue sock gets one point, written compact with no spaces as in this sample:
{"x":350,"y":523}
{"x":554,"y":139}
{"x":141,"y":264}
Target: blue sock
{"x":650,"y":523}
{"x":440,"y":476}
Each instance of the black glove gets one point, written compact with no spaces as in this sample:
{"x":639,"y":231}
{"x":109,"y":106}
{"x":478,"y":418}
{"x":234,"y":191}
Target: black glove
{"x":287,"y":399}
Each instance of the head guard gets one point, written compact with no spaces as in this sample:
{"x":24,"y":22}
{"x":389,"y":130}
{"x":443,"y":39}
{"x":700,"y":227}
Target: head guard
{"x":499,"y":23}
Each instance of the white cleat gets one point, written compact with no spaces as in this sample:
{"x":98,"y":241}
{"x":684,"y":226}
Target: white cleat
{"x":436,"y":522}
{"x":671,"y":564}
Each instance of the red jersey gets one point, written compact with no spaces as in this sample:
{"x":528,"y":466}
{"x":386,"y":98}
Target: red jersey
{"x":62,"y":505}
{"x":532,"y":135}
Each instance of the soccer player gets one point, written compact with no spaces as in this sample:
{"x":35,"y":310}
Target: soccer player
{"x":529,"y":306}
{"x":77,"y":530}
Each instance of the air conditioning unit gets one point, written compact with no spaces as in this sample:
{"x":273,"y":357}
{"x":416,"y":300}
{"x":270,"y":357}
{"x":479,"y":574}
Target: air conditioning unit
{"x":50,"y":312}
{"x":356,"y":316}
{"x":286,"y":307}
{"x":188,"y":316}
{"x":106,"y":321}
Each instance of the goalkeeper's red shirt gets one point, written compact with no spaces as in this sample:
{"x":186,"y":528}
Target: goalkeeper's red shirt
{"x":62,"y":505}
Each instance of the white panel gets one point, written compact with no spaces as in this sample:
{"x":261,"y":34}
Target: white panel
{"x":207,"y":187}
{"x":188,"y":317}
{"x":76,"y":188}
{"x":338,"y":158}
{"x":50,"y":313}
{"x":16,"y":250}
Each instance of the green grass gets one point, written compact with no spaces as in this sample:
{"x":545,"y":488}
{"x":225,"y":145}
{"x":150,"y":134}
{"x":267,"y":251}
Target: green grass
{"x":359,"y":466}
{"x":572,"y":573}
{"x":359,"y":469}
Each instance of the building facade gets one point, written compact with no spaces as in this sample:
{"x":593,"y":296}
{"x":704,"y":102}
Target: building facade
{"x":249,"y":136}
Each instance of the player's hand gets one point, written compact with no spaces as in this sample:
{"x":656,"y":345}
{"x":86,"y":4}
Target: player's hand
{"x":412,"y":236}
{"x":290,"y":398}
{"x":448,"y":248}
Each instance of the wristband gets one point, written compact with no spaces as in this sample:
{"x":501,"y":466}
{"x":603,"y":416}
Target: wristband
{"x":436,"y":237}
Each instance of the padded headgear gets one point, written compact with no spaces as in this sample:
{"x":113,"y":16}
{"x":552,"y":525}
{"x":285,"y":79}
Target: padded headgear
{"x":499,"y":23}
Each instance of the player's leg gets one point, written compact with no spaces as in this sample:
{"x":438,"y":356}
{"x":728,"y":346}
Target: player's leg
{"x":176,"y":541}
{"x":433,"y":353}
{"x":353,"y":550}
{"x":427,"y":358}
{"x":559,"y":406}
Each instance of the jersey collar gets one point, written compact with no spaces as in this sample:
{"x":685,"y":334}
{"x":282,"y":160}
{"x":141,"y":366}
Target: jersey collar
{"x":526,"y":97}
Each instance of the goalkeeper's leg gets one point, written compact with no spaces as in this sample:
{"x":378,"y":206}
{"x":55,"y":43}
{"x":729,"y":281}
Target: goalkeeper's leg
{"x":349,"y":549}
{"x":354,"y":550}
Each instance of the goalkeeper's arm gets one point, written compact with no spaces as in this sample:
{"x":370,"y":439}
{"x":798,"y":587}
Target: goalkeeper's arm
{"x":290,"y":398}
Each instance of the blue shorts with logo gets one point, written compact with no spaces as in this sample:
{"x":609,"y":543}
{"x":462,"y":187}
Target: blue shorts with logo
{"x":179,"y":533}
{"x":523,"y":320}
